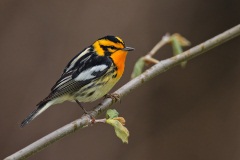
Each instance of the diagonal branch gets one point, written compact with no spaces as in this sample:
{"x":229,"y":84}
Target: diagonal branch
{"x":155,"y":70}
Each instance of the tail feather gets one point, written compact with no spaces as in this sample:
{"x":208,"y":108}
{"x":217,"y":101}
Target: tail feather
{"x":42,"y":106}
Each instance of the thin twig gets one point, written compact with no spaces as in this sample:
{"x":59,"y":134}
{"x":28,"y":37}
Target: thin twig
{"x":149,"y":57}
{"x":100,"y":120}
{"x":165,"y":39}
{"x":152,"y":72}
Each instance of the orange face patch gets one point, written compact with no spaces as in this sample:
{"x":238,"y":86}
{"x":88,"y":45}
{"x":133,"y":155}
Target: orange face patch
{"x":119,"y":58}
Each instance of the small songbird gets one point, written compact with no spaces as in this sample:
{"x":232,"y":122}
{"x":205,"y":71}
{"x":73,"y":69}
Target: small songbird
{"x":88,"y":76}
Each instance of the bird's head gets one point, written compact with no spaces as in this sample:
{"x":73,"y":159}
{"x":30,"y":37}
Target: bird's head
{"x":113,"y":47}
{"x":110,"y":45}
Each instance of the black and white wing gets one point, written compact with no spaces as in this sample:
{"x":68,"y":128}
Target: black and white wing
{"x":81,"y":70}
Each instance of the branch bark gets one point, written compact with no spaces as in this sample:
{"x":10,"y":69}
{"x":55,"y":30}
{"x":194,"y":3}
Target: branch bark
{"x":152,"y":72}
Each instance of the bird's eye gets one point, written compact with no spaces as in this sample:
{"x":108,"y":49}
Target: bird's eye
{"x":112,"y":47}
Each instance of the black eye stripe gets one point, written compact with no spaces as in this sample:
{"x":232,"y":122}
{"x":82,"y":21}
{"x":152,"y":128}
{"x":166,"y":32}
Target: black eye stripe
{"x":106,"y":47}
{"x":112,"y":47}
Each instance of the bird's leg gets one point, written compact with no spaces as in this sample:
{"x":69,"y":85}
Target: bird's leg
{"x":85,"y":111}
{"x":114,"y":96}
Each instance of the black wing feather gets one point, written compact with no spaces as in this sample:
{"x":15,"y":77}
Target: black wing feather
{"x":67,"y":83}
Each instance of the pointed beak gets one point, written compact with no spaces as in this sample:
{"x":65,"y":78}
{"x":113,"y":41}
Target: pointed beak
{"x":128,"y":49}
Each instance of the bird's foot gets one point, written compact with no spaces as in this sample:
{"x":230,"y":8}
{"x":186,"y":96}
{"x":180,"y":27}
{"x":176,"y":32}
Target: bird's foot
{"x":114,"y":96}
{"x":89,"y":113}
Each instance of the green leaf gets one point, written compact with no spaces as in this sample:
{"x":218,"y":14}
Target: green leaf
{"x":182,"y":40}
{"x":177,"y":48}
{"x":178,"y":42}
{"x":111,"y":113}
{"x":121,"y":131}
{"x":121,"y":120}
{"x":138,"y":68}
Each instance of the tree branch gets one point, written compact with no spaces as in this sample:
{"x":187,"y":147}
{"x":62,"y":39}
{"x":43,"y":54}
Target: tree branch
{"x":152,"y":72}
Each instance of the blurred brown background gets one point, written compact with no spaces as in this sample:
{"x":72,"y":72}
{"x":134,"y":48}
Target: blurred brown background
{"x":191,"y":113}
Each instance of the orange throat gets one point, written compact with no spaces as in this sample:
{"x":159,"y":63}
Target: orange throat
{"x":119,"y":58}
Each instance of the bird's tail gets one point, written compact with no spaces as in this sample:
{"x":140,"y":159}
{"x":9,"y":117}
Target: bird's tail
{"x":41,"y":107}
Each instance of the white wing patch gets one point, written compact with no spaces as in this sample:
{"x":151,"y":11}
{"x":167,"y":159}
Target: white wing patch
{"x":87,"y":74}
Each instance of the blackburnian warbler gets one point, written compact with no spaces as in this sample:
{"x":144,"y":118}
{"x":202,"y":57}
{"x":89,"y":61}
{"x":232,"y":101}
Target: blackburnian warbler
{"x":88,"y":76}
